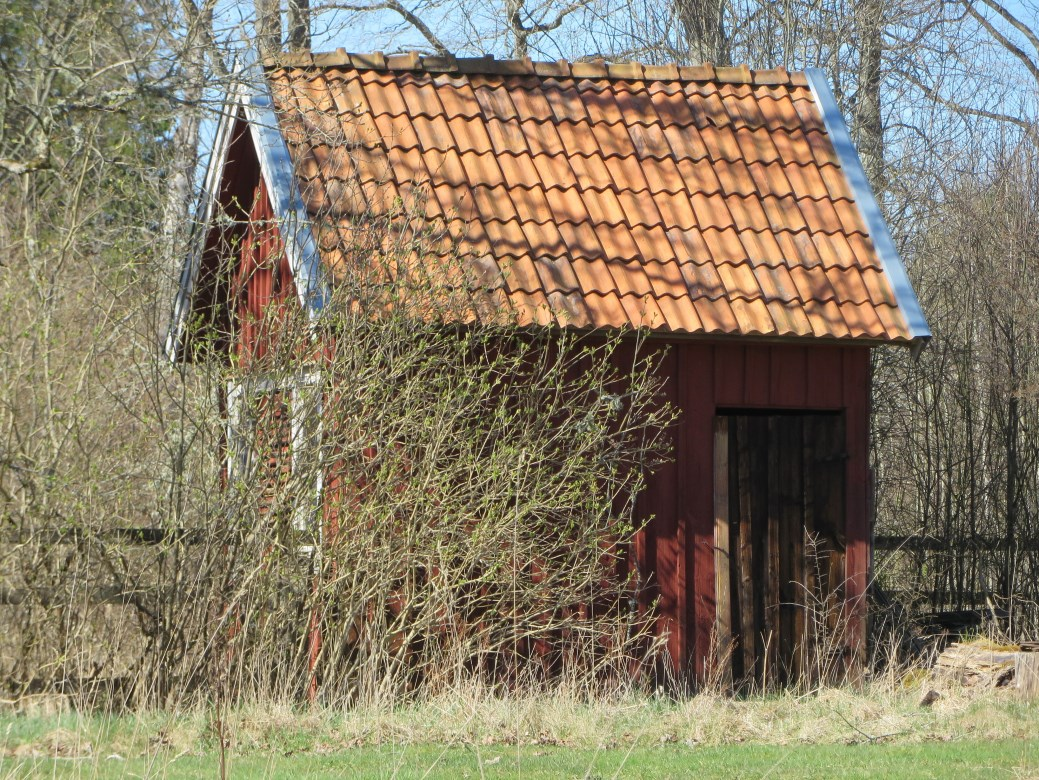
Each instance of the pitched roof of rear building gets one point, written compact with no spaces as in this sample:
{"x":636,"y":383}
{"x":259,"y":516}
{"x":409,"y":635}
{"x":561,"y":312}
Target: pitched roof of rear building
{"x":699,"y":200}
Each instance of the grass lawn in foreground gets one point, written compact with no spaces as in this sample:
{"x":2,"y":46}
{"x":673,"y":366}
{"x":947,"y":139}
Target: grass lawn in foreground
{"x":959,"y":760}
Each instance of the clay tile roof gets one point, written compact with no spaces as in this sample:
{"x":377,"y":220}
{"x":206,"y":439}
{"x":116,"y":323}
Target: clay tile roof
{"x":703,"y":200}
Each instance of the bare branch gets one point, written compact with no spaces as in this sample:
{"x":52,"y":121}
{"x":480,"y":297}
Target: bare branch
{"x":299,"y":25}
{"x":20,"y":168}
{"x":409,"y":16}
{"x":1016,"y":23}
{"x":200,"y":22}
{"x":268,"y":27}
{"x":559,"y":19}
{"x":960,"y":108}
{"x":1005,"y":42}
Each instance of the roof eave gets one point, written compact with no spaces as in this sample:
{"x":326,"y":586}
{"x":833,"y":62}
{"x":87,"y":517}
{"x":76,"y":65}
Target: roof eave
{"x":908,"y":304}
{"x":788,"y":339}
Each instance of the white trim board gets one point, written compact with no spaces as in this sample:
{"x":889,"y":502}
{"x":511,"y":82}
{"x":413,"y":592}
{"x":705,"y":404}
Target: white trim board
{"x":302,"y":395}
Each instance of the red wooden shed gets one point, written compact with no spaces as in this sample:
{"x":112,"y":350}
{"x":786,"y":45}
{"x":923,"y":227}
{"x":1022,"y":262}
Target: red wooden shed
{"x":722,"y":211}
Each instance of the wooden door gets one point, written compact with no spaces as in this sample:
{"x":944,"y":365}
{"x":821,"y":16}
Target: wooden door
{"x":779,"y":548}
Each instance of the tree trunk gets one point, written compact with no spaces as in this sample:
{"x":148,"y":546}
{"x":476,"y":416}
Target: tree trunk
{"x":703,"y":26}
{"x":1012,"y":433}
{"x":513,"y":10}
{"x":869,"y":128}
{"x":268,"y":27}
{"x":299,"y":25}
{"x":179,"y":195}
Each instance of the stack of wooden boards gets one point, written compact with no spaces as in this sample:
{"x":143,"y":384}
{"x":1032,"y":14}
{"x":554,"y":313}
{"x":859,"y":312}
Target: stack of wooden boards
{"x":985,"y":664}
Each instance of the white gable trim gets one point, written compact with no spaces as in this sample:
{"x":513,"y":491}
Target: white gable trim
{"x":250,"y":95}
{"x":204,"y":215}
{"x":905,"y":296}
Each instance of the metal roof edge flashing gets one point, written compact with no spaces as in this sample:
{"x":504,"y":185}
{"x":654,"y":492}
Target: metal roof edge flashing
{"x":279,"y":175}
{"x":905,"y":296}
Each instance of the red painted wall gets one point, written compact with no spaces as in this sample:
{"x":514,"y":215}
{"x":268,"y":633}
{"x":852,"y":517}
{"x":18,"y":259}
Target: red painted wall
{"x":678,"y":544}
{"x":263,"y":288}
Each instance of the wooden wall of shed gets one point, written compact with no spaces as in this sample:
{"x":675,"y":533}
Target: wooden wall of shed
{"x":676,"y":550}
{"x":264,"y":290}
{"x":675,"y":553}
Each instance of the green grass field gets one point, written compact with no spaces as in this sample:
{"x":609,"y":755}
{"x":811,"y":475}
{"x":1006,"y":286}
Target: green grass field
{"x":837,"y":734}
{"x":960,"y":760}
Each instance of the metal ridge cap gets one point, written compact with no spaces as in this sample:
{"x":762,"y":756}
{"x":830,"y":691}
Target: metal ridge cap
{"x":887,"y":253}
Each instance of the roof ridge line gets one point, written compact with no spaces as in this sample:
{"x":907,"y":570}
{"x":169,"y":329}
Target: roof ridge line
{"x":580,"y":69}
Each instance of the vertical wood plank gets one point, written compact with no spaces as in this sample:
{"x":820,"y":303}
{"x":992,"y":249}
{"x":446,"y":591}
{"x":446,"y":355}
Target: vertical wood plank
{"x":749,"y":488}
{"x":685,"y":507}
{"x":789,"y":377}
{"x":776,"y":493}
{"x":723,"y":607}
{"x":795,"y":508}
{"x":661,"y":536}
{"x":814,"y":431}
{"x":658,"y":498}
{"x":728,"y":375}
{"x":699,"y":503}
{"x":825,"y":379}
{"x":787,"y":454}
{"x":857,"y":391}
{"x":759,"y":532}
{"x":756,"y":383}
{"x":773,"y":595}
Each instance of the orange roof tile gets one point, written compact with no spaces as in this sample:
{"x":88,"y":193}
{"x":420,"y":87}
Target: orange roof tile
{"x":685,"y":200}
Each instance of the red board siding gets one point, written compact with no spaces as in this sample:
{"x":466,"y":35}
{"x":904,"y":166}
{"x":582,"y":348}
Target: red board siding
{"x":264,"y":287}
{"x":680,"y":544}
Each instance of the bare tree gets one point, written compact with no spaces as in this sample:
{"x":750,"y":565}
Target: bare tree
{"x":703,"y":26}
{"x":869,"y":28}
{"x":268,"y":27}
{"x":299,"y":25}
